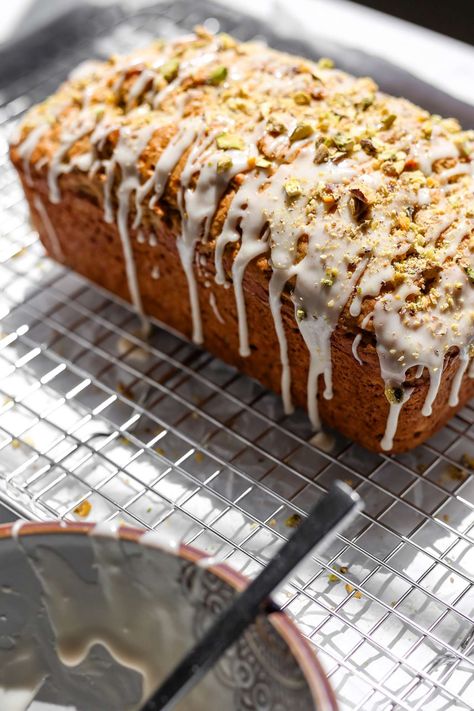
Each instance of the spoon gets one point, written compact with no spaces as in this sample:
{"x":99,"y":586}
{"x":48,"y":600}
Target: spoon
{"x":328,"y":516}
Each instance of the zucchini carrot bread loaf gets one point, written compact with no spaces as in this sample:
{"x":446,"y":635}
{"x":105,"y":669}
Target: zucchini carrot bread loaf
{"x":300,"y":224}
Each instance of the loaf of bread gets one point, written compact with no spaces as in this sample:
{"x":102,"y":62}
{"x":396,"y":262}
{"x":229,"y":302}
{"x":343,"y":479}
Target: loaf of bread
{"x":300,"y":224}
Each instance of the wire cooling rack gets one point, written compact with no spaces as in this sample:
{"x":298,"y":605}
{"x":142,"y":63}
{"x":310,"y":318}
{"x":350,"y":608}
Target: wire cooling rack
{"x":97,"y":424}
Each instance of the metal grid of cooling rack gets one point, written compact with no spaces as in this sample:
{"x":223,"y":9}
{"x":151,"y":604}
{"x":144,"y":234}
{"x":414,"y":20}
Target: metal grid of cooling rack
{"x":97,"y":424}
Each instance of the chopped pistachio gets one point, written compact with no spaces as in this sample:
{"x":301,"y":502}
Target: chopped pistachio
{"x":293,"y":188}
{"x":368,"y":147}
{"x":427,"y":129}
{"x":470,"y":274}
{"x":325,"y":63}
{"x":393,"y":168}
{"x":321,"y":154}
{"x":224,"y":163}
{"x":300,"y":313}
{"x":388,"y":121}
{"x":358,"y":204}
{"x":218,"y":75}
{"x":170,"y":69}
{"x":394,"y":394}
{"x":303,"y":129}
{"x":344,"y":143}
{"x":229,"y":141}
{"x":302,"y":98}
{"x":332,"y":578}
{"x":463,"y":148}
{"x":275,"y":127}
{"x":366,"y":102}
{"x":226,"y":41}
{"x":329,"y":279}
{"x":262,"y":162}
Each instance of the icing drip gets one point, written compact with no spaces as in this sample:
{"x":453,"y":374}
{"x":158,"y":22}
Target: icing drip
{"x":358,"y":338}
{"x":27,"y":148}
{"x":198,"y":202}
{"x":126,"y":155}
{"x":164,"y":166}
{"x":57,"y":166}
{"x":457,"y":380}
{"x":213,"y":303}
{"x":245,"y":223}
{"x":185,"y":72}
{"x":48,"y":226}
{"x":355,"y":346}
{"x":392,"y":421}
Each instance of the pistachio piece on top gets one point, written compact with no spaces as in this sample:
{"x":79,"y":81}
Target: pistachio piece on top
{"x":293,"y":188}
{"x":170,"y":70}
{"x":302,"y":130}
{"x":325,"y":63}
{"x":218,"y":75}
{"x":262,"y":162}
{"x":302,"y":98}
{"x":224,"y":163}
{"x":229,"y":141}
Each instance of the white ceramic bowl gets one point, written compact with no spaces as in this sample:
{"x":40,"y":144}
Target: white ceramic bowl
{"x":92,"y":618}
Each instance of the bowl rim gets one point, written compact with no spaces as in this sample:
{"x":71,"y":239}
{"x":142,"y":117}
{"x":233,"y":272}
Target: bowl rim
{"x":321,"y":690}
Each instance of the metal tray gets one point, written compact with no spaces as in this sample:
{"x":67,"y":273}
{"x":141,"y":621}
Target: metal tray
{"x":96,"y":423}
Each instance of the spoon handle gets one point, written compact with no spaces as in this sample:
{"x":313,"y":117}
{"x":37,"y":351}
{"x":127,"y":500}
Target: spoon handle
{"x":328,"y":516}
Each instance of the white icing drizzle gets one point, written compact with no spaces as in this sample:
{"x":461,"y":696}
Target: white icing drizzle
{"x":144,"y":78}
{"x":126,"y":155}
{"x":164,"y":166}
{"x":57,"y":166}
{"x":49,"y":227}
{"x":355,"y":346}
{"x":27,"y":148}
{"x":457,"y":380}
{"x":186,"y":70}
{"x":155,"y":272}
{"x":322,"y":255}
{"x":213,"y":303}
{"x":392,"y":421}
{"x":357,"y":339}
{"x":198,"y":203}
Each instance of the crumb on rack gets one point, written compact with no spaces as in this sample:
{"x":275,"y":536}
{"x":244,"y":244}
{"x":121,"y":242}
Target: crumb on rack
{"x":467,"y":461}
{"x":293,"y":521}
{"x":83,"y":509}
